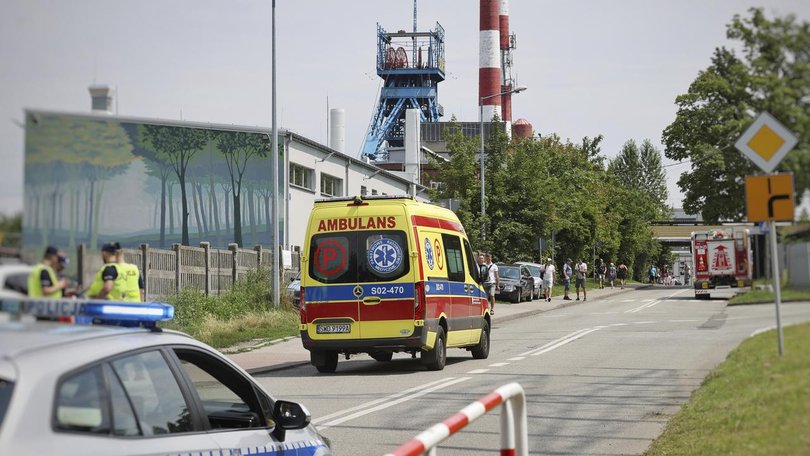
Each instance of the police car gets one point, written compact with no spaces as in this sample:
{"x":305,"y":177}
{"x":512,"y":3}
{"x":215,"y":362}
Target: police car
{"x":123,"y":386}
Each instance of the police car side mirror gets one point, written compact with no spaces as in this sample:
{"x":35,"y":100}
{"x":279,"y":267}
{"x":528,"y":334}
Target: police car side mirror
{"x":289,"y":415}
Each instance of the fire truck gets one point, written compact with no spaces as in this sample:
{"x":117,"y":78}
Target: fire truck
{"x":721,"y":259}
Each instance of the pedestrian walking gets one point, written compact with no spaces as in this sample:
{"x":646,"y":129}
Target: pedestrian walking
{"x":581,"y":271}
{"x":43,"y":281}
{"x":567,"y":273}
{"x":622,"y":274}
{"x":687,"y":274}
{"x":492,"y":283}
{"x":548,"y":279}
{"x":612,"y":275}
{"x":133,"y":287}
{"x":653,"y":273}
{"x":601,"y":270}
{"x":482,"y":268}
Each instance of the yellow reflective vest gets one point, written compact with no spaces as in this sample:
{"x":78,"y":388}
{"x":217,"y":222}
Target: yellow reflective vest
{"x":129,"y":276}
{"x":119,"y":284}
{"x":35,"y":284}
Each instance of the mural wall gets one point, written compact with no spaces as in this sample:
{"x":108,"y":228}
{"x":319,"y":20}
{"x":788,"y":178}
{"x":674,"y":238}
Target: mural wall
{"x":93,"y":180}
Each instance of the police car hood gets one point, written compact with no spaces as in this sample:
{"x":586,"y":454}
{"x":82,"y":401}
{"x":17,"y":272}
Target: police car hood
{"x":19,"y":337}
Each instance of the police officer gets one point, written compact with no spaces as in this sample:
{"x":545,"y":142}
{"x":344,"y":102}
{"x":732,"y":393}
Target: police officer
{"x":43,"y":282}
{"x":117,"y":279}
{"x":133,"y":282}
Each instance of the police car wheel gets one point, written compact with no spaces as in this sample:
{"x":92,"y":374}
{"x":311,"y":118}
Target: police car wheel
{"x":435,"y":359}
{"x":382,"y":357}
{"x":481,"y":351}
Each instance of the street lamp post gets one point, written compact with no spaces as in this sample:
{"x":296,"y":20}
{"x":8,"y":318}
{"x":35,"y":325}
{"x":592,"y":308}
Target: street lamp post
{"x":276,"y":280}
{"x":481,"y":121}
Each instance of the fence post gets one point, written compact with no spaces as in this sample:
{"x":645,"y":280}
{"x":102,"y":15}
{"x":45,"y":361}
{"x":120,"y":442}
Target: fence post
{"x":207,"y":247}
{"x":177,"y":266}
{"x":234,"y":248}
{"x":145,"y":269}
{"x":258,"y":250}
{"x":80,"y":252}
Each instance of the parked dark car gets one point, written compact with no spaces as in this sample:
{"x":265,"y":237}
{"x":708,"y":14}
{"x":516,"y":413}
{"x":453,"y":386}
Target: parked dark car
{"x":517,"y":283}
{"x":294,"y":290}
{"x":534,"y":269}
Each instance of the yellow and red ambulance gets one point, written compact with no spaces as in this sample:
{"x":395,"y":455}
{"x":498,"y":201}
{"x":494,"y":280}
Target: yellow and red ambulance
{"x":386,"y":274}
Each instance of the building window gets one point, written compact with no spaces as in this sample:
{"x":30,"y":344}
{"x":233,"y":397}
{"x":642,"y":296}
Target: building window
{"x":301,"y":177}
{"x":363,"y":190}
{"x":373,"y":192}
{"x":436,"y":185}
{"x":331,"y":185}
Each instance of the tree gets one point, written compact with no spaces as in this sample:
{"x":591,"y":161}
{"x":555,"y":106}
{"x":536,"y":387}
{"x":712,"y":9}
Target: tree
{"x":640,"y":169}
{"x":238,"y":149}
{"x":773,"y":75}
{"x":176,"y":146}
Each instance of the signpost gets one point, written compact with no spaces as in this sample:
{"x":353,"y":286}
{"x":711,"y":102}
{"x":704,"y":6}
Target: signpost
{"x":769,"y":198}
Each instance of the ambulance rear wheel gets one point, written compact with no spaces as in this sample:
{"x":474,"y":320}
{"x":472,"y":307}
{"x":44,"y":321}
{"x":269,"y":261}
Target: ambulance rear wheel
{"x":435,"y":359}
{"x":481,"y":351}
{"x":325,"y":362}
{"x":382,"y":357}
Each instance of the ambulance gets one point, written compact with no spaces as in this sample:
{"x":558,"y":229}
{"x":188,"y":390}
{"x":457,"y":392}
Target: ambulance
{"x":388,"y":274}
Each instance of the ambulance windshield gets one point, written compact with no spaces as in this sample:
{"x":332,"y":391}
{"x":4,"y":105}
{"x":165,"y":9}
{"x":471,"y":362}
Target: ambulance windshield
{"x":359,"y":256}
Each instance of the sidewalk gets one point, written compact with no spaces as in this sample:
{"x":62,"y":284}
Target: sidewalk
{"x":289,"y":352}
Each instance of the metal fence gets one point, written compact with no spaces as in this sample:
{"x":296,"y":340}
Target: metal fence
{"x":211,"y":271}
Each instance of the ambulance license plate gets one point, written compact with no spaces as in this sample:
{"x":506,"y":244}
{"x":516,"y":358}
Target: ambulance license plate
{"x":341,"y":328}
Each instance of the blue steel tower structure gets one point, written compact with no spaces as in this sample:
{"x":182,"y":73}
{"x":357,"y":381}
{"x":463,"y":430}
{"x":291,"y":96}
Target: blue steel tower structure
{"x":411,"y":65}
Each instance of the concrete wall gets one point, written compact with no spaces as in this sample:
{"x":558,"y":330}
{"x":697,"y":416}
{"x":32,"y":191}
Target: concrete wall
{"x":798,"y":264}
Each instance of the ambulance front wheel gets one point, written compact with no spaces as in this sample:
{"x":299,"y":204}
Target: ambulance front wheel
{"x":326,"y":362}
{"x":436,"y":358}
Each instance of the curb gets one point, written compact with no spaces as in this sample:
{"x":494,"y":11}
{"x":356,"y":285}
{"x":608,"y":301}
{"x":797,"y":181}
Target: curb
{"x":250,"y":348}
{"x":277,"y":367}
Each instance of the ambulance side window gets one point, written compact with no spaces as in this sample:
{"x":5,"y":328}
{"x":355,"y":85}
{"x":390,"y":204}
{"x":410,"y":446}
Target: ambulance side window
{"x":454,"y":258}
{"x":471,"y":264}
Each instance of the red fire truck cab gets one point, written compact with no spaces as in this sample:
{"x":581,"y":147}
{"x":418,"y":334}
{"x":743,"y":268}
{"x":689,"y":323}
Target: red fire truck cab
{"x":721,"y":259}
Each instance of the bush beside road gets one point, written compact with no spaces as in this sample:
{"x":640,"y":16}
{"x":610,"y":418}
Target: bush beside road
{"x":243,"y":313}
{"x":753,"y":403}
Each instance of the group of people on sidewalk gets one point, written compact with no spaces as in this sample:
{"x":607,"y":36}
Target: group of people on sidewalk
{"x":579,"y":272}
{"x":115,"y":280}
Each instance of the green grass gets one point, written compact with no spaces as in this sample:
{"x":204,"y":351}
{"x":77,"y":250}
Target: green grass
{"x":765,"y":296}
{"x":753,"y":403}
{"x":243,"y":313}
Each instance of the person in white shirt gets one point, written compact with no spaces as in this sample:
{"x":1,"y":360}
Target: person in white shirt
{"x":492,"y":281}
{"x":548,"y":279}
{"x":581,"y":273}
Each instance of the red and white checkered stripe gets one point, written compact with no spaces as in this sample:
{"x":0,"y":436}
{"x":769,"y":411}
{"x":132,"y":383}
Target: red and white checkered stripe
{"x":514,"y":436}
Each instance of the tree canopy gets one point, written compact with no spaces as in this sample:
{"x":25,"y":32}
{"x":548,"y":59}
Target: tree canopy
{"x":771,"y":73}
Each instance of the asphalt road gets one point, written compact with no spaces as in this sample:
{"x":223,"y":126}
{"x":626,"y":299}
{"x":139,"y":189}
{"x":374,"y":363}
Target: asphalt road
{"x":601,"y":377}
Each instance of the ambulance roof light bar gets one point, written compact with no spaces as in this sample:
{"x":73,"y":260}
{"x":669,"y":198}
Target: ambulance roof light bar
{"x":94,"y":311}
{"x":363,"y":198}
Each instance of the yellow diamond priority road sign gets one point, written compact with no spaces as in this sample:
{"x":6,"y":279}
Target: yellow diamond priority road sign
{"x":766,"y":142}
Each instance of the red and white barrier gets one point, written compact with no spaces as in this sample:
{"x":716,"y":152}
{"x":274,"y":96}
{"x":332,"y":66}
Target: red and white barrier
{"x":514,"y":433}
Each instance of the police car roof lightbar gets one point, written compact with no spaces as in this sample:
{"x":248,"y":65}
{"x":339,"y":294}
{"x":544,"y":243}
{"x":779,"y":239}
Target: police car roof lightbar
{"x":145,"y":314}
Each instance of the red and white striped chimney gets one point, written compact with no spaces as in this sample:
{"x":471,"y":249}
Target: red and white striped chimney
{"x":489,"y":59}
{"x":506,"y":83}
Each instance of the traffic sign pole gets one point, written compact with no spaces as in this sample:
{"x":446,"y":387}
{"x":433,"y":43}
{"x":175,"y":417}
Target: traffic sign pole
{"x":777,"y":286}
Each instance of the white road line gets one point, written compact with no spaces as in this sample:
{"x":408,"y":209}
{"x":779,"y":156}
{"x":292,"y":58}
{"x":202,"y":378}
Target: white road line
{"x":643,"y":322}
{"x":382,"y":400}
{"x":517,"y":358}
{"x":498,"y":364}
{"x":478,"y":371}
{"x":620,"y":324}
{"x":554,"y":342}
{"x":560,"y":342}
{"x":389,"y":403}
{"x":628,"y":300}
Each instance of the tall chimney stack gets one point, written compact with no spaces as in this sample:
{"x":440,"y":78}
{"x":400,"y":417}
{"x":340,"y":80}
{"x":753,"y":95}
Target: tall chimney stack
{"x":489,"y":60}
{"x":506,"y":64}
{"x":337,"y":130}
{"x":101,"y":96}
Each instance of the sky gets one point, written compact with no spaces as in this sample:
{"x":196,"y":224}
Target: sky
{"x":590,"y":67}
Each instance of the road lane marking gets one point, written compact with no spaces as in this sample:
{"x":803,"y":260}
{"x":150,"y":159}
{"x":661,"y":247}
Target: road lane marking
{"x":517,"y":358}
{"x":498,"y":364}
{"x":628,"y":300}
{"x":388,"y":402}
{"x":382,"y":400}
{"x":555,"y":344}
{"x":478,"y":371}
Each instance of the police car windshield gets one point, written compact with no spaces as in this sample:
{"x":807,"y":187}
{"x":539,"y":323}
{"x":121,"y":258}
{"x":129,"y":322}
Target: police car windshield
{"x":5,"y":397}
{"x":359,"y":256}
